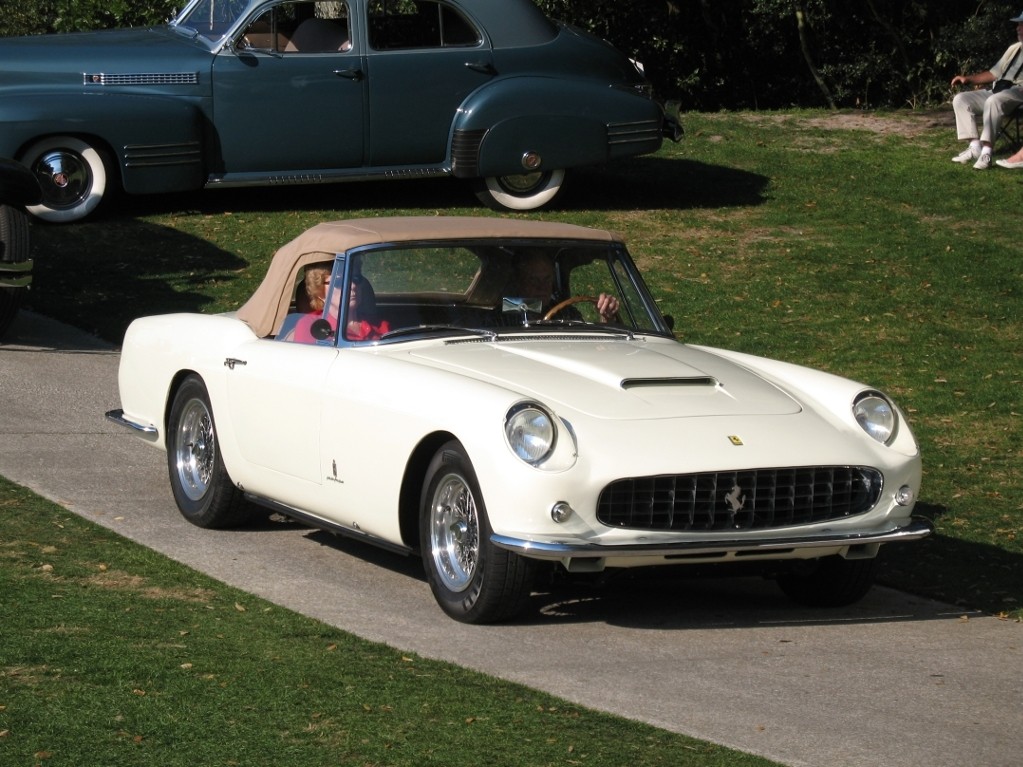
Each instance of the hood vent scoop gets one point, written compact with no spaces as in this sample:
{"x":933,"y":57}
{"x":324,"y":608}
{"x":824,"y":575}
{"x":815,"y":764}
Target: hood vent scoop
{"x":638,"y":383}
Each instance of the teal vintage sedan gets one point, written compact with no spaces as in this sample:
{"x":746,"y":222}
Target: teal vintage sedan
{"x":275,"y":92}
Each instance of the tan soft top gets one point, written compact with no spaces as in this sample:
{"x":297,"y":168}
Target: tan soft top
{"x":265,"y":310}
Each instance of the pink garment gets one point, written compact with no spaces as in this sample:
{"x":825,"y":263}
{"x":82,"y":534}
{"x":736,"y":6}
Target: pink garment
{"x":302,"y":333}
{"x":364,"y":331}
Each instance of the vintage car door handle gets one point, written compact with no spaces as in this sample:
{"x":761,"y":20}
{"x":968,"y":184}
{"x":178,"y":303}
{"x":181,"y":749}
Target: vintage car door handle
{"x":481,"y":66}
{"x":230,"y":362}
{"x":350,"y":74}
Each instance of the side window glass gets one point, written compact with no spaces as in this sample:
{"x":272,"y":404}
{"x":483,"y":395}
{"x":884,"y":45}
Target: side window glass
{"x":301,"y":27}
{"x":396,"y":24}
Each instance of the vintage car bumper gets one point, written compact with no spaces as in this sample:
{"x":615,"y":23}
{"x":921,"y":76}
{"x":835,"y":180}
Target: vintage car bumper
{"x":148,"y":432}
{"x":717,"y":549}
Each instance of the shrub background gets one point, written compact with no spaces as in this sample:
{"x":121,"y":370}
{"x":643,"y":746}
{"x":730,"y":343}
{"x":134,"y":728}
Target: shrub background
{"x":738,"y":54}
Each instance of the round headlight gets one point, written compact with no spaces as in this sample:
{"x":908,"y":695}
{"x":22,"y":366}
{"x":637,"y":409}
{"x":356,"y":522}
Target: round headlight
{"x":530,"y":432}
{"x":875,"y":415}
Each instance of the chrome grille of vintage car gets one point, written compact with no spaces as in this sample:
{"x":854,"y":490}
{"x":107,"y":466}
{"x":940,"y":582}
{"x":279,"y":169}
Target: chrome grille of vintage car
{"x":758,"y":499}
{"x":141,"y":78}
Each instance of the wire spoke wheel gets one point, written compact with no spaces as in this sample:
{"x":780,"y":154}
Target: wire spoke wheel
{"x":455,"y":533}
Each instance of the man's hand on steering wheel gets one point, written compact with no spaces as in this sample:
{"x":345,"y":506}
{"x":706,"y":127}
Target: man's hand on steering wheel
{"x":607,"y":306}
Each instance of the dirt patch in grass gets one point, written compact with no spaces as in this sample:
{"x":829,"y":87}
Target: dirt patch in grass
{"x":908,"y":124}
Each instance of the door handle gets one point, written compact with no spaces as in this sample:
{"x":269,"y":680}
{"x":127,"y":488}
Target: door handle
{"x":483,"y":67}
{"x":349,"y":74}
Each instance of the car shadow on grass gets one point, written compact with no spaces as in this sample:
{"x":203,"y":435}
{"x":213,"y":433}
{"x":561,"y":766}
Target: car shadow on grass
{"x":649,"y":183}
{"x":100,"y":275}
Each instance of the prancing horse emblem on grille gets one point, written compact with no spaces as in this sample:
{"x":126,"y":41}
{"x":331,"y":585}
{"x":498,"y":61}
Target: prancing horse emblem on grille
{"x":736,"y":500}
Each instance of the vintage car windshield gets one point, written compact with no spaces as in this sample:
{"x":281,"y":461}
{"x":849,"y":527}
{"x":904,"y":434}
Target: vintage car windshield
{"x":411,"y":290}
{"x":210,"y":19}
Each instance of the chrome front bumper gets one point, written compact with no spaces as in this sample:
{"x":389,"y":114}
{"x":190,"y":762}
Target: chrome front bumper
{"x":738,"y":548}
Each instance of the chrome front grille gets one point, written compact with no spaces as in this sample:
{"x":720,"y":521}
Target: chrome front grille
{"x":759,"y":499}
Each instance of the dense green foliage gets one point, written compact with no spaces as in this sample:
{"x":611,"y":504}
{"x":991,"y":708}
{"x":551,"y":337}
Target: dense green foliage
{"x":748,"y":54}
{"x":764,"y":54}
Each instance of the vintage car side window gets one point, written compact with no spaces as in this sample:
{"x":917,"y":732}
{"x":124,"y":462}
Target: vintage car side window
{"x":395,"y":24}
{"x":301,"y":27}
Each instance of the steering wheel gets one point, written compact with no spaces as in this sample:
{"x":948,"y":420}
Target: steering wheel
{"x":569,"y":302}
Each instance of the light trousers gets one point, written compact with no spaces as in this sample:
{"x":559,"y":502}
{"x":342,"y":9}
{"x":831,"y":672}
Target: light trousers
{"x":992,"y":108}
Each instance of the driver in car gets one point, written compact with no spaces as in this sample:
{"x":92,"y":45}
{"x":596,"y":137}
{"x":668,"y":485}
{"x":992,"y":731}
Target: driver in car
{"x":535,"y":278}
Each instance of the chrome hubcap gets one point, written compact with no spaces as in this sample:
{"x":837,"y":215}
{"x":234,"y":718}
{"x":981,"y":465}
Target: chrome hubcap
{"x":65,"y":178}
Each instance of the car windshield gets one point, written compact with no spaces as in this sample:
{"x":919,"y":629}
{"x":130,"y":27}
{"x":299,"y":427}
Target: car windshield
{"x":210,"y":19}
{"x":486,"y":290}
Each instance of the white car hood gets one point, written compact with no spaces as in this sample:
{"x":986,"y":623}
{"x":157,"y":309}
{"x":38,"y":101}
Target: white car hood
{"x":616,"y":378}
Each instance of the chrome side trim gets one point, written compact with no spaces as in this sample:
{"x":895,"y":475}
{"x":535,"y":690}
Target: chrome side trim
{"x":15,"y":275}
{"x":141,"y":78}
{"x":148,"y":432}
{"x":555,"y":550}
{"x":324,"y":176}
{"x":634,"y":132}
{"x":150,"y":155}
{"x":326,"y":525}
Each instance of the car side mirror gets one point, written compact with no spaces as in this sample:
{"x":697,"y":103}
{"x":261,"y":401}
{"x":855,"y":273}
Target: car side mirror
{"x":669,"y":321}
{"x":321,"y":330}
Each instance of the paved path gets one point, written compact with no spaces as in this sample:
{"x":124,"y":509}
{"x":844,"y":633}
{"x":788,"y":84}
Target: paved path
{"x":894,"y":681}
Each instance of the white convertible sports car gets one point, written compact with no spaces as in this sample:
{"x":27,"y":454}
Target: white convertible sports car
{"x":504,"y":398}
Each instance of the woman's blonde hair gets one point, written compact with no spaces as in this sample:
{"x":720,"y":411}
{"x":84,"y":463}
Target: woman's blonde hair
{"x":316,"y":277}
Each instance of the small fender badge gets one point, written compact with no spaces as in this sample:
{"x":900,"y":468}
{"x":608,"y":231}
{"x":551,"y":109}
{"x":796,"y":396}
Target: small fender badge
{"x":333,"y":476}
{"x":735,"y":440}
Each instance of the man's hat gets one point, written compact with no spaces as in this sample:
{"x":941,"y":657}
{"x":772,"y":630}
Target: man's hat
{"x":1018,"y":18}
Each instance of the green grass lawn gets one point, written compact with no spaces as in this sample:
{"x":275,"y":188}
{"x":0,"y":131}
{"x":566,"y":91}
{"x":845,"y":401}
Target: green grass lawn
{"x":845,"y":242}
{"x":113,"y":655}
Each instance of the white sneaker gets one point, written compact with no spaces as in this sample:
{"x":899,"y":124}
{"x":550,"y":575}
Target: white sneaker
{"x":1009,"y":164}
{"x":983,"y":162}
{"x":967,"y":155}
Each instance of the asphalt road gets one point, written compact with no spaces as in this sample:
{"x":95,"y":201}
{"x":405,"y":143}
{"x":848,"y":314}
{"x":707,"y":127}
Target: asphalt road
{"x":896,"y":680}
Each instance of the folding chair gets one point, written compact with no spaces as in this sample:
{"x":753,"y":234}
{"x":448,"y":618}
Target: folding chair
{"x":1011,"y":130}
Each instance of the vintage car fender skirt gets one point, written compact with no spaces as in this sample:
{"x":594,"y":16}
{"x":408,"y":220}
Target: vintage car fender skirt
{"x":73,"y":177}
{"x":522,"y":191}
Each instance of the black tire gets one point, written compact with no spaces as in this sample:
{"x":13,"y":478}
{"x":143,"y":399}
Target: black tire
{"x":829,"y":581}
{"x":472,"y":580}
{"x":202,"y":488}
{"x":74,"y":176}
{"x":525,"y":191}
{"x":14,"y":249}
